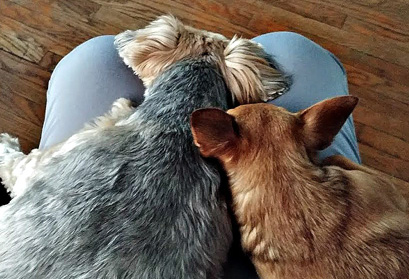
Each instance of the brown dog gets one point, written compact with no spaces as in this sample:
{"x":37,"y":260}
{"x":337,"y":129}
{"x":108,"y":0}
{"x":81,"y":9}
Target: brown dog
{"x":299,"y":219}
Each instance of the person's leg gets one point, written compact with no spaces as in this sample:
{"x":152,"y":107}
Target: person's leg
{"x":316,"y":75}
{"x":83,"y":86}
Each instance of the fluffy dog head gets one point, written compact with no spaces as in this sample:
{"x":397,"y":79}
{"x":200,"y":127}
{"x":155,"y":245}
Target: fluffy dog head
{"x":248,"y":70}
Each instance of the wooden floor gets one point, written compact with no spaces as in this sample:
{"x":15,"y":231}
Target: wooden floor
{"x":370,"y":37}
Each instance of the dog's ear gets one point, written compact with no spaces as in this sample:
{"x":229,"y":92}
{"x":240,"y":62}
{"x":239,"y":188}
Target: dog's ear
{"x":149,"y":50}
{"x":213,"y":131}
{"x":321,"y":122}
{"x":250,"y":74}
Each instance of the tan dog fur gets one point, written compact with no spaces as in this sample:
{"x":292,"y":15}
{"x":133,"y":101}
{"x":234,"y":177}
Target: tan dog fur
{"x":299,"y":219}
{"x":248,"y":75}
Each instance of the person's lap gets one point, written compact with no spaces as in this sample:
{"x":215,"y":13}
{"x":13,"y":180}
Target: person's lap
{"x":90,"y":78}
{"x":83,"y":86}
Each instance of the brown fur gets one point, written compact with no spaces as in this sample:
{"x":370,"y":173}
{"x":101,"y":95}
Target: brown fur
{"x":242,"y":62}
{"x":299,"y":219}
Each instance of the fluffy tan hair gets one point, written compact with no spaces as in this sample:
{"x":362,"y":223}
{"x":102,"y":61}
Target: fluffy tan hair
{"x":246,"y":67}
{"x":300,"y":220}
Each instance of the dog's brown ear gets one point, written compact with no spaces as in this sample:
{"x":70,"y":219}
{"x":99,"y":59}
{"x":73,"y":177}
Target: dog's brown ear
{"x":213,"y":131}
{"x":249,"y":74}
{"x":324,"y":120}
{"x":149,"y":50}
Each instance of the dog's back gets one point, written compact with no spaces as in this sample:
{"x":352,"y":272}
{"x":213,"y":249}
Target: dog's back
{"x":300,"y":219}
{"x":374,"y":241}
{"x":135,"y":201}
{"x":355,"y":226}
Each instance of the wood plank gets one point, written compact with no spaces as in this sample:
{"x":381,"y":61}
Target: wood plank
{"x":380,"y":102}
{"x":375,"y":83}
{"x":374,"y":107}
{"x":107,"y":2}
{"x":28,"y":134}
{"x":222,"y":9}
{"x":382,"y":121}
{"x":22,"y":89}
{"x":266,"y":23}
{"x":372,"y":11}
{"x":23,"y":69}
{"x":48,"y":31}
{"x":56,"y":28}
{"x":27,"y":42}
{"x":143,"y":12}
{"x":382,"y":141}
{"x":121,"y":18}
{"x":12,"y":82}
{"x":359,"y":26}
{"x":17,"y":42}
{"x":14,"y":99}
{"x":383,"y":162}
{"x":395,"y":9}
{"x":322,"y":13}
{"x":80,"y":18}
{"x":385,"y":13}
{"x":50,"y":60}
{"x":77,"y":10}
{"x":23,"y":108}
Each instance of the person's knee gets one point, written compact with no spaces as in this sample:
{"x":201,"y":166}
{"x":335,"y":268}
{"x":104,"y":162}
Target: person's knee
{"x":292,"y":37}
{"x":107,"y":38}
{"x":305,"y":43}
{"x":292,"y":48}
{"x":104,"y":40}
{"x":287,"y":40}
{"x":93,"y":53}
{"x":95,"y":47}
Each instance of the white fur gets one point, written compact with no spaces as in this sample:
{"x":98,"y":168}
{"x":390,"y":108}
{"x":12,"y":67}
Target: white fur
{"x":17,"y":169}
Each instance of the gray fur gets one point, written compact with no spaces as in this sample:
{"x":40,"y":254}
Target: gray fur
{"x":137,"y":201}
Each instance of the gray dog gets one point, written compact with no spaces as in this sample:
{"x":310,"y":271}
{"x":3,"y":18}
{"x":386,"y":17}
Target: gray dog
{"x":129,"y":195}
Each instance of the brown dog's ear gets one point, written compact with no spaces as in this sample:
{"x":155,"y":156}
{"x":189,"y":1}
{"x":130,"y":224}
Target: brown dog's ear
{"x":324,"y":120}
{"x":249,"y":74}
{"x":213,"y":131}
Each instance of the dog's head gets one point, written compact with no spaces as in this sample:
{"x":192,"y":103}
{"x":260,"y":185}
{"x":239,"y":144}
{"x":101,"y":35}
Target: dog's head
{"x":251,"y":135}
{"x":248,"y":70}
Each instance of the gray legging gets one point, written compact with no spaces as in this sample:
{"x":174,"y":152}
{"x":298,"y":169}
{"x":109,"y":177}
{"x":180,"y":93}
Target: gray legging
{"x":86,"y":82}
